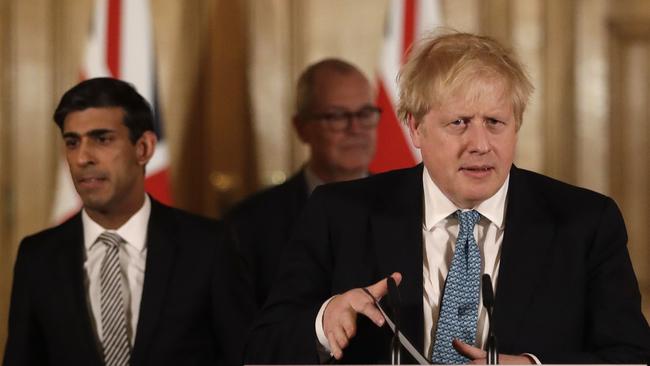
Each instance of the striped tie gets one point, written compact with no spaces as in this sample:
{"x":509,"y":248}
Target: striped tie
{"x":459,"y":309}
{"x":117,"y":349}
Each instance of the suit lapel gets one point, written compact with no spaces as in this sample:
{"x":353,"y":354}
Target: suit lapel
{"x":70,"y":262}
{"x":300,"y":189}
{"x":161,"y":249}
{"x":529,"y":231}
{"x":396,"y":225}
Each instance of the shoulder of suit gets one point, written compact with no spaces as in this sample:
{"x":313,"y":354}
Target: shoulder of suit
{"x":559,"y":192}
{"x":173,"y":215}
{"x":52,"y":236}
{"x":375,"y":182}
{"x":271,"y":198}
{"x":377,"y":189}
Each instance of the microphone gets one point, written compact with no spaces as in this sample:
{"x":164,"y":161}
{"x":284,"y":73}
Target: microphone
{"x":488,"y":304}
{"x":395,"y":303}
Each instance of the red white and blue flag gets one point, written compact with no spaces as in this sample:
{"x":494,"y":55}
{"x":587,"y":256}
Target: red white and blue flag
{"x":121,"y":46}
{"x":406,"y":21}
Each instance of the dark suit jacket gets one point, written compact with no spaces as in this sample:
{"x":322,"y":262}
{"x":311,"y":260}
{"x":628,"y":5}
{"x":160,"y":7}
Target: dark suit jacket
{"x":193,"y":309}
{"x":566,"y":291}
{"x":262,"y":226}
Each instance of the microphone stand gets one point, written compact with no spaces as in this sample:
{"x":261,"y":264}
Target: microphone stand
{"x":491,"y":346}
{"x":396,"y":304}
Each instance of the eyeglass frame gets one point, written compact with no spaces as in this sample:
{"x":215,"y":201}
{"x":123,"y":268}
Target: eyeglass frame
{"x":342,"y":120}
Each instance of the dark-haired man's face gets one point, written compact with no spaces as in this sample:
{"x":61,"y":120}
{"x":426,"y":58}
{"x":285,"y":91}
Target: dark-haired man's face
{"x":106,"y":167}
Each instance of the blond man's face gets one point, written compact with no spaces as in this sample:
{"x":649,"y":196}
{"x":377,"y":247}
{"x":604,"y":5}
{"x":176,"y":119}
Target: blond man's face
{"x":468,"y":143}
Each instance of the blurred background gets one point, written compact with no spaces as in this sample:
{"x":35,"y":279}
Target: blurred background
{"x":226,"y":75}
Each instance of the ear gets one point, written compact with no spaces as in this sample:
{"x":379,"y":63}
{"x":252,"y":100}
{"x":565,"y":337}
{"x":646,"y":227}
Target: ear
{"x":415,"y":130}
{"x":301,"y":128}
{"x":145,"y":147}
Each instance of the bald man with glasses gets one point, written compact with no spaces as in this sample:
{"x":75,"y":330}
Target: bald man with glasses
{"x":336,"y":118}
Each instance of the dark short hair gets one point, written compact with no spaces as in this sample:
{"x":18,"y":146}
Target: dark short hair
{"x":106,"y":93}
{"x":305,"y":89}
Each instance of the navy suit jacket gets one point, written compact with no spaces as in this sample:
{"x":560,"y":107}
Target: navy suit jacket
{"x":262,"y":226}
{"x":566,"y":291}
{"x":194,"y":308}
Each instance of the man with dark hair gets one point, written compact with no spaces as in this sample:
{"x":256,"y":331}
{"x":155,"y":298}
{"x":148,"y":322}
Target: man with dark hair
{"x":126,"y":281}
{"x":108,"y":92}
{"x":336,"y":117}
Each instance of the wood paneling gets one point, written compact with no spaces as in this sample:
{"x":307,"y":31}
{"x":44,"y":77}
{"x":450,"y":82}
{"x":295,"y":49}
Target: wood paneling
{"x":528,"y":42}
{"x":6,"y":246}
{"x":496,"y":20}
{"x":216,"y":149}
{"x":559,"y":98}
{"x":629,"y":163}
{"x":592,"y":92}
{"x":270,"y":71}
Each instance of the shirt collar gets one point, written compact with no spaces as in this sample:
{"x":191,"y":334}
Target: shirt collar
{"x":134,"y":231}
{"x":312,"y":180}
{"x":438,"y":207}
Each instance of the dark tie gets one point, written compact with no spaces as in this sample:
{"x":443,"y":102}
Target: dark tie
{"x":459,"y":310}
{"x":117,"y":349}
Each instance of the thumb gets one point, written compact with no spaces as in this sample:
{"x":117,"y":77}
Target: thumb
{"x":380,"y":288}
{"x":471,"y":352}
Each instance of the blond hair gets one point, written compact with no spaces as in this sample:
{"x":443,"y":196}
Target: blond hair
{"x":440,"y":66}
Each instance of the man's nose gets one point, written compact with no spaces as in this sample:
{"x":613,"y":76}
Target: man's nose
{"x":355,"y":125}
{"x":85,"y":153}
{"x":478,"y":138}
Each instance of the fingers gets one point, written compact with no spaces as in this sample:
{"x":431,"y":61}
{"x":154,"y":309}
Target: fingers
{"x":340,"y":316}
{"x":337,"y":342}
{"x":475,"y":354}
{"x":478,"y":356}
{"x":380,"y":288}
{"x":340,"y":319}
{"x":377,"y":291}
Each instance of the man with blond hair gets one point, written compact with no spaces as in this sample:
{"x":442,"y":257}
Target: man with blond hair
{"x":565,"y":291}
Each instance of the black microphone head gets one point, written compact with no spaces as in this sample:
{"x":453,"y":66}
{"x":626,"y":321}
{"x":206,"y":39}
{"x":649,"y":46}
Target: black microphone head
{"x":394,"y":297}
{"x":488,"y":293}
{"x":392,"y":285}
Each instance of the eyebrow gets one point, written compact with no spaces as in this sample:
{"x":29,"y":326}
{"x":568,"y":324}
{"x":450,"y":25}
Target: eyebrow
{"x":92,"y":133}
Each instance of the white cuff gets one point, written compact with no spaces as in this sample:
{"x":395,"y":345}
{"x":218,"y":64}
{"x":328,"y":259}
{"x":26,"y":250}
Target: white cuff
{"x":533,"y":357}
{"x":320,"y":333}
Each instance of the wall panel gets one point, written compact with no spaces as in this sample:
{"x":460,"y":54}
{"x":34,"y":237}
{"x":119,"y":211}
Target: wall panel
{"x":629,"y":129}
{"x":6,"y":246}
{"x":558,"y":98}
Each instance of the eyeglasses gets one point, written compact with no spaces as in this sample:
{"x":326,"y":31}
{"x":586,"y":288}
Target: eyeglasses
{"x":366,"y":117}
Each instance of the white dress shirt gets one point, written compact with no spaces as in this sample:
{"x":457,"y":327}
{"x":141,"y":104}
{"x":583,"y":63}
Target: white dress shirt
{"x":133,"y":255}
{"x":312,"y":180}
{"x":439,"y":233}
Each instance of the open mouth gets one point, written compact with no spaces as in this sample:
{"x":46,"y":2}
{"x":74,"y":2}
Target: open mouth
{"x":477,"y":171}
{"x":91,"y":182}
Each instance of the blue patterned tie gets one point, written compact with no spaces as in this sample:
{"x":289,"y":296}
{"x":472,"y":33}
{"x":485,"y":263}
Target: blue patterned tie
{"x":459,"y":309}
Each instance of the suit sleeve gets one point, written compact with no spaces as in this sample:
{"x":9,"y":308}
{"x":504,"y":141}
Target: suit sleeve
{"x":233,"y":301}
{"x":619,"y":331}
{"x":284,"y":332}
{"x":615,"y":330}
{"x":25,"y":342}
